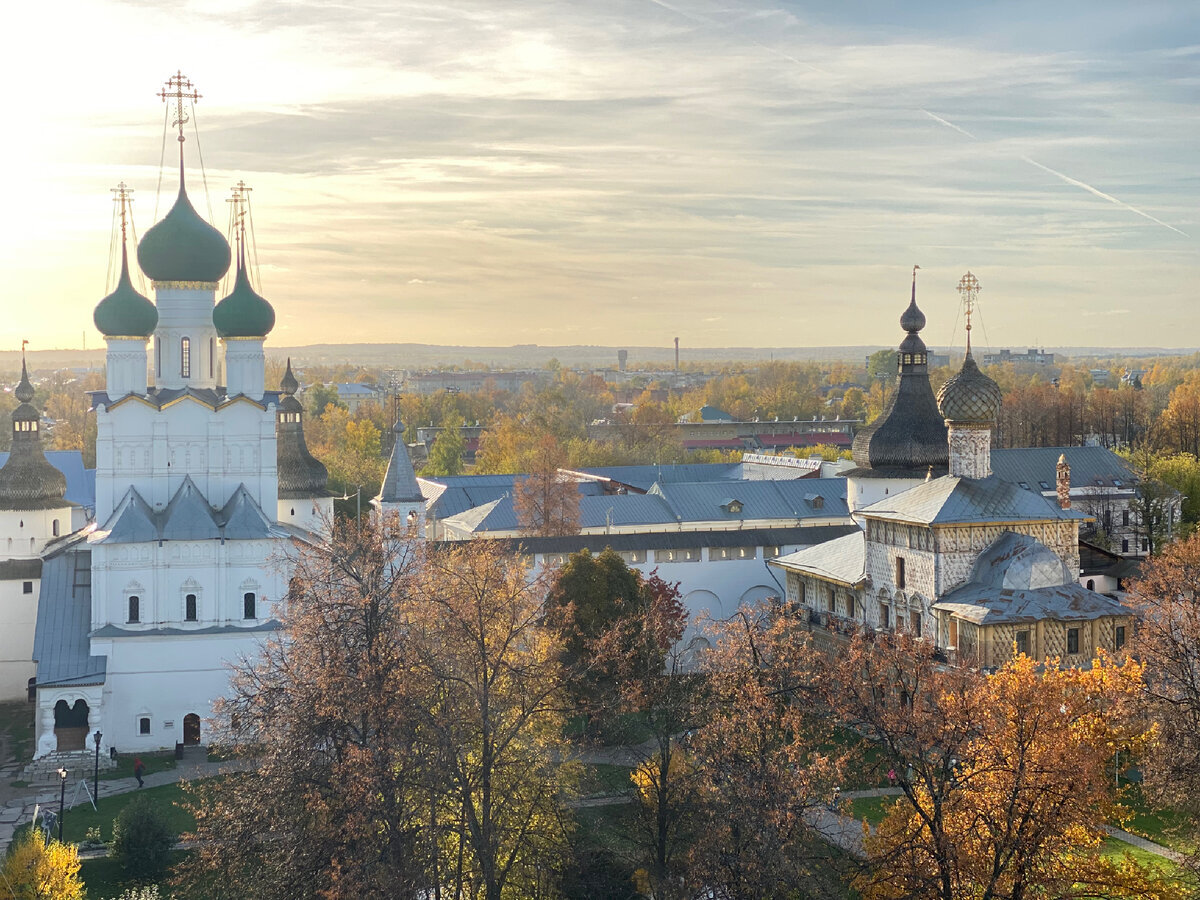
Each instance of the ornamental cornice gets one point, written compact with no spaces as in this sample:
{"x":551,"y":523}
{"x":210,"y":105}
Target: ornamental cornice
{"x":245,"y":338}
{"x":127,"y":337}
{"x":185,"y":285}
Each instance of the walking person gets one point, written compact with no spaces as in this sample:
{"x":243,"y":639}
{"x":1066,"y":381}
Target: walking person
{"x":139,"y":769}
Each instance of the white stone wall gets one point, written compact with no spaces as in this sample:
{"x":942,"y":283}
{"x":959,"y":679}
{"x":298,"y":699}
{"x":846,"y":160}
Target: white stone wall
{"x":125,"y":367}
{"x":970,"y":451}
{"x":18,"y":615}
{"x":862,"y":492}
{"x":314,"y":514}
{"x":245,"y":362}
{"x":185,"y":312}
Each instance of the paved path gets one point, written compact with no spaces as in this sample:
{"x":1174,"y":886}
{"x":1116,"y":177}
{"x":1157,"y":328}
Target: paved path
{"x":1143,"y":844}
{"x":19,"y":811}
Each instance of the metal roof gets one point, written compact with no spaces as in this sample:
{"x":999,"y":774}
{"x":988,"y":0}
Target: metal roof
{"x":1090,"y":467}
{"x":793,"y":499}
{"x":116,"y":631}
{"x":642,"y":478}
{"x":187,"y":517}
{"x":953,"y":500}
{"x":796,"y":535}
{"x":61,"y":647}
{"x":842,"y":560}
{"x":400,"y":481}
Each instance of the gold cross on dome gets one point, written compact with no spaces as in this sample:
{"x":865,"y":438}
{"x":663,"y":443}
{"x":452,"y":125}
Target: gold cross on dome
{"x":123,"y":192}
{"x":240,"y":198}
{"x":179,"y":88}
{"x":969,"y":287}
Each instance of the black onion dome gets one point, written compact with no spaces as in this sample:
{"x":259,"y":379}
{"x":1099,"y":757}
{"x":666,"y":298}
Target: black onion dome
{"x":910,"y":436}
{"x":125,"y":312}
{"x":300,"y":473}
{"x":27,"y":479}
{"x":183,"y":247}
{"x":970,"y":397}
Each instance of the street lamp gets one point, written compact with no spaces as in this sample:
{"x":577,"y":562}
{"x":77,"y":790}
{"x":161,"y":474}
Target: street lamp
{"x":96,"y":774}
{"x":62,"y":801}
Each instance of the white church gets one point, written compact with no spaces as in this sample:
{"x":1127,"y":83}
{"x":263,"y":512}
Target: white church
{"x":204,"y":485}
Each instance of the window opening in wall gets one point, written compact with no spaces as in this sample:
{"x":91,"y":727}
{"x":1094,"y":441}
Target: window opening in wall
{"x":248,"y":606}
{"x":1124,"y":517}
{"x":885,"y":616}
{"x":1023,"y":642}
{"x":157,"y":358}
{"x":27,"y":587}
{"x":1120,"y":639}
{"x":189,"y":608}
{"x":211,"y":354}
{"x":54,"y":527}
{"x":1145,"y":544}
{"x":135,"y":609}
{"x":850,"y":606}
{"x":1072,"y":640}
{"x":144,"y":725}
{"x":1091,"y":584}
{"x":185,"y":357}
{"x":916,"y":624}
{"x":899,"y":573}
{"x":831,"y":602}
{"x":802,"y":593}
{"x":1125,"y":546}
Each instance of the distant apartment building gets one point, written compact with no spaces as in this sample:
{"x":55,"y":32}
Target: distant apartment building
{"x":1030,"y":356}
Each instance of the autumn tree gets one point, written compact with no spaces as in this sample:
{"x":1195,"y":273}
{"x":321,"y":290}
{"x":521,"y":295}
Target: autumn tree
{"x":546,"y":502}
{"x":1167,"y":596}
{"x":335,"y":803}
{"x":492,"y":724}
{"x":1006,"y":780}
{"x":37,"y":869}
{"x":765,"y":764}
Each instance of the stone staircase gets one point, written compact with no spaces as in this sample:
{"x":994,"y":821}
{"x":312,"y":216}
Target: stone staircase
{"x":78,"y":763}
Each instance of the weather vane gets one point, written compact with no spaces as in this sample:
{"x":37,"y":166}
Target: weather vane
{"x":123,"y":192}
{"x":179,"y":88}
{"x":969,"y":287}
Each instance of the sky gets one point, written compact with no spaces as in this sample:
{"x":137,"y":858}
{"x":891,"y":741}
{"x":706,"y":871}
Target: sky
{"x":737,"y":173}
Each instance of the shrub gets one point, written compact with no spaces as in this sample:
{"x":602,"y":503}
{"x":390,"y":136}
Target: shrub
{"x":35,"y":868}
{"x":145,"y":892}
{"x":142,"y":840}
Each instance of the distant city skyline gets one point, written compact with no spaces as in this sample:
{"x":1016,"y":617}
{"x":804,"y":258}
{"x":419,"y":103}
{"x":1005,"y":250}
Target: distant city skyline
{"x":737,"y":174}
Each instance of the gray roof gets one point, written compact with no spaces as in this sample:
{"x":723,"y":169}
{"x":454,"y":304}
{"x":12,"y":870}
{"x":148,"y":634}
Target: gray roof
{"x":842,"y":560}
{"x":792,"y":536}
{"x":160,"y":397}
{"x":642,"y":478}
{"x":455,"y":494}
{"x":794,"y":499}
{"x":1018,"y":579}
{"x":953,"y":499}
{"x":400,"y":481}
{"x":61,"y":647}
{"x":1038,"y":466}
{"x":187,"y":517}
{"x":20,"y":569}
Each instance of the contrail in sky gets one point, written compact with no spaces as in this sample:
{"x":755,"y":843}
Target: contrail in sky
{"x":705,"y":20}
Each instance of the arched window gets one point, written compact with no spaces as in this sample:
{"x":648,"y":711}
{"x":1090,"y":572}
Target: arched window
{"x":1091,"y":585}
{"x":54,"y":527}
{"x":189,"y":608}
{"x":212,"y":354}
{"x":157,"y":358}
{"x":185,"y":357}
{"x":134,"y":608}
{"x":248,"y":606}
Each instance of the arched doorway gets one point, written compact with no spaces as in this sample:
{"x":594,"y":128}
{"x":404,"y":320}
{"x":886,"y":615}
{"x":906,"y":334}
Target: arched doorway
{"x":191,"y":730}
{"x":71,"y":724}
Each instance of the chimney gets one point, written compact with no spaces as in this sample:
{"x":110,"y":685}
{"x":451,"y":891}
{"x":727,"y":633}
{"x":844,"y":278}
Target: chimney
{"x":676,"y":354}
{"x":1063,"y":482}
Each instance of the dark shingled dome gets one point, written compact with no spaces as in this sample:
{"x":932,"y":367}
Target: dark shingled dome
{"x":910,"y":436}
{"x":125,"y":312}
{"x":244,"y":313}
{"x":970,"y":397}
{"x":183,"y":247}
{"x":27,"y":480}
{"x":300,"y":473}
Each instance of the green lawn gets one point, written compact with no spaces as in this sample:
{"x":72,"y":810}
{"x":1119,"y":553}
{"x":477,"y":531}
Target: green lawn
{"x":155,"y":762}
{"x":16,"y":723}
{"x":1163,"y":826}
{"x":870,"y":808}
{"x":104,"y":879}
{"x":603,"y":778}
{"x":83,"y":817}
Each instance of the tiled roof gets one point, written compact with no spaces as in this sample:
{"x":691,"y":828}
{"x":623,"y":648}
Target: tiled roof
{"x":842,"y":560}
{"x":953,"y":499}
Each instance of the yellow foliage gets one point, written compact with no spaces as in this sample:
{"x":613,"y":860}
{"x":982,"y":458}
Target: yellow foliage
{"x":36,"y":870}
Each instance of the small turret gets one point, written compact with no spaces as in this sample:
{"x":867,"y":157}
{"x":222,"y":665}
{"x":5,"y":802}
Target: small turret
{"x":27,"y":480}
{"x":304,"y":499}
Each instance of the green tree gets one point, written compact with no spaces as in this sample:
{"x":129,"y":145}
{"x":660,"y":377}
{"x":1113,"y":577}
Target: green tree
{"x":320,"y":396}
{"x":142,"y":840}
{"x":446,"y":454}
{"x":882,"y":366}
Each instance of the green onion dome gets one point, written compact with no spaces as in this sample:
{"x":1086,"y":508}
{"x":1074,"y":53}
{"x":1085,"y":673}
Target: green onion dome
{"x":244,"y":313}
{"x":125,"y":312}
{"x":183,"y":247}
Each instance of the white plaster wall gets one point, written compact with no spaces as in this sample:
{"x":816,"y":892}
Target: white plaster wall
{"x":218,"y":573}
{"x":24,"y":532}
{"x":18,"y":615}
{"x":126,"y":367}
{"x":313,"y":514}
{"x":862,"y":492}
{"x":245,"y":362}
{"x":154,"y":450}
{"x":185,"y":312}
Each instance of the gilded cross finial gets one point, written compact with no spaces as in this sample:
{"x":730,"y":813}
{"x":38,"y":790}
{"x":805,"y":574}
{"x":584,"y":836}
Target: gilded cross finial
{"x":240,"y":198}
{"x":179,"y":88}
{"x":969,"y":288}
{"x":123,"y":192}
